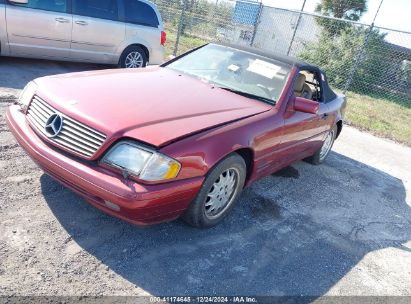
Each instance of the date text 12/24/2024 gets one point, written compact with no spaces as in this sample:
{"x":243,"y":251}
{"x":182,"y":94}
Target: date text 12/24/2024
{"x":203,"y":299}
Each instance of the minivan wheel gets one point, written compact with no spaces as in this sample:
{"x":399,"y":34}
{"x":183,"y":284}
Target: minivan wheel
{"x":322,"y":153}
{"x":217,"y":196}
{"x":133,"y":57}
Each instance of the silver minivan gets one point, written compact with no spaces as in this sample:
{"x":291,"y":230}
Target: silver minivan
{"x":124,"y":32}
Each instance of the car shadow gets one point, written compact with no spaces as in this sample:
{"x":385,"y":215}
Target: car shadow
{"x":15,"y":72}
{"x":294,"y":233}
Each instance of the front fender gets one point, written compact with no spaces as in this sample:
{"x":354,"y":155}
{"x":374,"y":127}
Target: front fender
{"x":201,"y":152}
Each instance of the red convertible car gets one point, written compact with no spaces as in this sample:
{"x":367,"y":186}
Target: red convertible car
{"x":182,"y":139}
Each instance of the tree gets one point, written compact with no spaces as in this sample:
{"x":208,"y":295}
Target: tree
{"x":337,"y":57}
{"x":340,"y":9}
{"x":340,"y":43}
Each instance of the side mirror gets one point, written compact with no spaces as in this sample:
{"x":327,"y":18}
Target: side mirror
{"x":20,"y":1}
{"x":306,"y":105}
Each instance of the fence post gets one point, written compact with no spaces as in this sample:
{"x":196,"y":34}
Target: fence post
{"x":257,"y":21}
{"x":180,"y":27}
{"x":296,"y":28}
{"x":361,"y":52}
{"x":358,"y":59}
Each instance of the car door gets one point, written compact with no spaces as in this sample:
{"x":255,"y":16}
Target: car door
{"x":40,"y":28}
{"x":304,"y":132}
{"x":143,"y":25}
{"x":97,"y":31}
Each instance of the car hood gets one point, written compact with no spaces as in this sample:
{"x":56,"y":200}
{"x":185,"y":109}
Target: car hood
{"x":154,"y":105}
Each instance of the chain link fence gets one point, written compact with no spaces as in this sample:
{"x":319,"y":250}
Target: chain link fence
{"x":361,"y":58}
{"x":191,"y":23}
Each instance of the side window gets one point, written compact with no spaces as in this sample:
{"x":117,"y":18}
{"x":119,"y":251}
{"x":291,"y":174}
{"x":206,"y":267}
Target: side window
{"x":104,"y":9}
{"x":140,"y":13}
{"x":47,"y":5}
{"x":312,"y":84}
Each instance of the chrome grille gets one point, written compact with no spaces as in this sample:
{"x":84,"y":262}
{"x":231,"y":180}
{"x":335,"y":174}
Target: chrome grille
{"x":73,"y":135}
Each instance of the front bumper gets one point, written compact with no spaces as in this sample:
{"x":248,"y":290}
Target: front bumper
{"x":125,"y":199}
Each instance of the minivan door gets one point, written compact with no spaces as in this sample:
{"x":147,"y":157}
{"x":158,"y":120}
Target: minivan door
{"x":97,"y":31}
{"x":39,"y":29}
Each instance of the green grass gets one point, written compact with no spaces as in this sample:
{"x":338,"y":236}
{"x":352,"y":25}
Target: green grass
{"x":389,"y":118}
{"x":186,"y":43}
{"x":382,"y":117}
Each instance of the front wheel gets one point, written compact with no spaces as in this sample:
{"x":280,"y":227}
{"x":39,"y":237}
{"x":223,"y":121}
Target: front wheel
{"x":219,"y":192}
{"x":133,"y":57}
{"x":322,"y":153}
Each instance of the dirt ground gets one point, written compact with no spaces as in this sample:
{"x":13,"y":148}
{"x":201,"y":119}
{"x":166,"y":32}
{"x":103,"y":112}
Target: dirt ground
{"x":342,"y":228}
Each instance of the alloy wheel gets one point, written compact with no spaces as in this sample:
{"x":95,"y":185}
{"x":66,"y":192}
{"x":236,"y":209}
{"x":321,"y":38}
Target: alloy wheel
{"x":134,"y":60}
{"x":222,"y":193}
{"x":325,"y":149}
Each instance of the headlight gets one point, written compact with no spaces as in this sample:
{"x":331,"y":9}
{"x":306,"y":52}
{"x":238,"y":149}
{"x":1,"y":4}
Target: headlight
{"x":27,"y":95}
{"x":142,"y":162}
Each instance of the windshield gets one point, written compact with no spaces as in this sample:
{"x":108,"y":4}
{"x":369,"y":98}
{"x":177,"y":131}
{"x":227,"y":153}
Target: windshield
{"x":238,"y":71}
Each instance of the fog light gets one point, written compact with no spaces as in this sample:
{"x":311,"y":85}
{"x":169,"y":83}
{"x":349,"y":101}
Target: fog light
{"x":112,"y":206}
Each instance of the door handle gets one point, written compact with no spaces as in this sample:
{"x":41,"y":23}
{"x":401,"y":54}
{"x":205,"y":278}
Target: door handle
{"x":62,"y":20}
{"x":81,"y":23}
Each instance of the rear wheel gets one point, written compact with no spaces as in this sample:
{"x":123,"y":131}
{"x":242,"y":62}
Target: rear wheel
{"x":322,"y":153}
{"x":133,"y":57}
{"x":219,"y":192}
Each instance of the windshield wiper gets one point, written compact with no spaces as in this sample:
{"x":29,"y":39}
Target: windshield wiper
{"x":249,"y":95}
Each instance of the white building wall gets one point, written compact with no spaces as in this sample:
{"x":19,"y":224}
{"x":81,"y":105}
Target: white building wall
{"x":276,"y":28}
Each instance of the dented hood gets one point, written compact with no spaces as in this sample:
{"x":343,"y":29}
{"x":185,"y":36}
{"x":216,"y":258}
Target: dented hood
{"x":154,"y":105}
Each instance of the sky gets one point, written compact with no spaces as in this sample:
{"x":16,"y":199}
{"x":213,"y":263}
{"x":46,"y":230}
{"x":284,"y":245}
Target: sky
{"x":394,"y":14}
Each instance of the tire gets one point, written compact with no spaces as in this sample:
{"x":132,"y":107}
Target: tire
{"x":133,"y":57}
{"x":319,"y":157}
{"x":200,"y":213}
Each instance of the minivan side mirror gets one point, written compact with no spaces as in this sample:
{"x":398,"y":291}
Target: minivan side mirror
{"x":20,"y":1}
{"x":305,"y":105}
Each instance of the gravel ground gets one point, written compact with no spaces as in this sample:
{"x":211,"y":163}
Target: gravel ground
{"x":342,"y":228}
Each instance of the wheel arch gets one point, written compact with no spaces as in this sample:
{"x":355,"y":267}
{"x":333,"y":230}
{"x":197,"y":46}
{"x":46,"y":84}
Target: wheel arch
{"x":145,"y":49}
{"x":248,"y":155}
{"x":198,"y":160}
{"x":201,"y":152}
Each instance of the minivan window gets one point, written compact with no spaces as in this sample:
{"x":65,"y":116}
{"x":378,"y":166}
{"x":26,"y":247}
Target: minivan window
{"x":104,"y":9}
{"x":138,"y":12}
{"x":47,"y":5}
